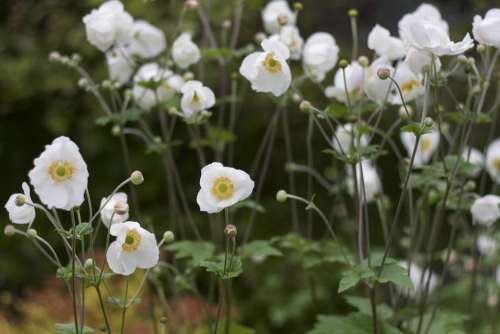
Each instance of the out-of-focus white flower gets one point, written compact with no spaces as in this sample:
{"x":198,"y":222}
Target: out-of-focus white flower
{"x":372,"y":183}
{"x":493,"y":160}
{"x":485,"y":210}
{"x":133,"y":248}
{"x":409,"y":82}
{"x":486,"y":245}
{"x":427,"y":145}
{"x":376,"y":89}
{"x":498,"y":275}
{"x":426,"y":12}
{"x":222,"y":187}
{"x":487,"y":31}
{"x":274,"y":12}
{"x":320,"y":55}
{"x":268,"y":71}
{"x":147,"y":41}
{"x":120,"y":65}
{"x":109,"y":214}
{"x":419,"y":284}
{"x":185,"y":52}
{"x":345,"y":139}
{"x":354,"y":77}
{"x":385,"y":45}
{"x":23,"y":214}
{"x":108,"y":25}
{"x":60,"y":175}
{"x":290,"y":36}
{"x":196,"y":98}
{"x":418,"y":61}
{"x":475,"y":157}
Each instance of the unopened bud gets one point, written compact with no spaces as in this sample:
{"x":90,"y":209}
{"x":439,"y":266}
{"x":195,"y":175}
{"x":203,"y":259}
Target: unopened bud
{"x":462,"y":59}
{"x":89,"y":263}
{"x":259,"y":37}
{"x":298,"y":6}
{"x":353,"y":13}
{"x":173,"y":111}
{"x":54,"y":56}
{"x":191,"y":4}
{"x":76,"y":58}
{"x":480,"y":48}
{"x":405,"y":112}
{"x":230,"y":231}
{"x":283,"y":20}
{"x":168,"y":237}
{"x":364,"y":61}
{"x":296,"y":98}
{"x":188,"y":76}
{"x":32,"y":233}
{"x":383,"y":73}
{"x":428,"y":121}
{"x":343,"y":63}
{"x":9,"y":230}
{"x":120,"y":208}
{"x":20,"y":200}
{"x":470,"y":186}
{"x":281,"y":196}
{"x":136,"y":178}
{"x":305,"y":106}
{"x":116,"y":130}
{"x":226,"y":24}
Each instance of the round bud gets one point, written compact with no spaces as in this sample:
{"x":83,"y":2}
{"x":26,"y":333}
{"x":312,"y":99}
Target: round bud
{"x":54,"y":56}
{"x":462,"y":59}
{"x":383,"y":73}
{"x":281,"y":196}
{"x":230,"y":231}
{"x":188,"y":76}
{"x":157,"y":140}
{"x":405,"y":112}
{"x":116,"y":130}
{"x":76,"y":58}
{"x":283,"y":20}
{"x":226,"y":24}
{"x":471,"y":61}
{"x":298,"y":6}
{"x":445,"y":127}
{"x":305,"y":106}
{"x":440,"y":108}
{"x":89,"y":263}
{"x":352,"y":13}
{"x":259,"y":37}
{"x":168,"y":236}
{"x":480,"y":48}
{"x":364,"y":61}
{"x":120,"y":208}
{"x":234,"y":75}
{"x":84,"y":83}
{"x":20,"y":200}
{"x":343,"y":63}
{"x":476,"y":90}
{"x":433,"y":196}
{"x":428,"y":121}
{"x":405,"y":242}
{"x":296,"y":98}
{"x":191,"y":4}
{"x":32,"y":233}
{"x":9,"y":230}
{"x":172,"y":111}
{"x":136,"y":178}
{"x":470,"y":186}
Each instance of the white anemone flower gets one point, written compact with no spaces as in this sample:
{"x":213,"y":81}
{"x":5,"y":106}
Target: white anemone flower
{"x":120,"y":65}
{"x":320,"y":55}
{"x":419,"y":284}
{"x":486,"y":245}
{"x":109,"y":214}
{"x":276,"y":14}
{"x":24,"y":214}
{"x":196,"y":98}
{"x":493,"y":160}
{"x":268,"y":71}
{"x":420,"y":61}
{"x":148,"y":41}
{"x":60,"y":175}
{"x":474,"y":156}
{"x":354,"y":78}
{"x":185,"y":52}
{"x":485,"y":210}
{"x":109,"y":25}
{"x":385,"y":45}
{"x":290,"y":36}
{"x":426,"y":12}
{"x":345,"y":139}
{"x":487,"y":30}
{"x":376,"y":89}
{"x":133,"y":248}
{"x":222,"y":187}
{"x":366,"y":174}
{"x":409,"y":83}
{"x":427,"y":145}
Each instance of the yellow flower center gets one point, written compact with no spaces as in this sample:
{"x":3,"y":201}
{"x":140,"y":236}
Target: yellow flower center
{"x":409,"y":85}
{"x":223,"y":188}
{"x":61,"y":170}
{"x":496,"y":164}
{"x":132,"y":241}
{"x":271,"y":64}
{"x":425,"y":144}
{"x":195,"y":99}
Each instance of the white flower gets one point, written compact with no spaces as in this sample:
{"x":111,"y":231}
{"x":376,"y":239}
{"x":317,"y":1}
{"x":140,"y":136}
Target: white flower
{"x":274,"y":12}
{"x":475,"y":157}
{"x":409,"y":83}
{"x":372,"y":183}
{"x":148,"y":41}
{"x":487,"y":31}
{"x":498,"y":275}
{"x":196,"y":98}
{"x":60,"y":175}
{"x":493,"y":160}
{"x":381,"y":41}
{"x":290,"y":36}
{"x":486,"y":245}
{"x":419,"y":284}
{"x":108,"y":214}
{"x":376,"y":89}
{"x":120,"y":65}
{"x":222,"y":187}
{"x":485,"y":210}
{"x":423,"y":12}
{"x":24,"y":214}
{"x":268,"y":71}
{"x":345,"y":139}
{"x":133,"y":248}
{"x":418,"y":61}
{"x":184,"y":52}
{"x":427,"y":145}
{"x":354,"y":77}
{"x":320,"y":55}
{"x":108,"y":25}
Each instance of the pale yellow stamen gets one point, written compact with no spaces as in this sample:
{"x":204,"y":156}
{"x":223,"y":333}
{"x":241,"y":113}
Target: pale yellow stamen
{"x":496,"y":164}
{"x":61,"y":170}
{"x":409,"y":85}
{"x":195,"y":99}
{"x":425,"y":144}
{"x":223,"y":188}
{"x":272,"y":65}
{"x":132,"y":241}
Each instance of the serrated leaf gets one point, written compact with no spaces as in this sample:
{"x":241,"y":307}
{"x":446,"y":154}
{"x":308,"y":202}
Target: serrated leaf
{"x":394,"y":273}
{"x":354,"y":323}
{"x":259,"y":248}
{"x":224,"y":269}
{"x":352,"y":276}
{"x":69,"y":328}
{"x":444,"y":322}
{"x":364,"y":306}
{"x":417,"y":129}
{"x":198,"y":251}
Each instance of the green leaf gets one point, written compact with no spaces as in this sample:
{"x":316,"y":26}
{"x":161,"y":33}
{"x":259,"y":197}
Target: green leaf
{"x":198,"y":251}
{"x":70,"y":329}
{"x":249,"y":204}
{"x":363,"y":305}
{"x":354,"y":323}
{"x":296,"y":242}
{"x":444,"y":322}
{"x":417,"y":128}
{"x":259,"y":248}
{"x":393,"y":272}
{"x":352,"y":276}
{"x":233,"y":268}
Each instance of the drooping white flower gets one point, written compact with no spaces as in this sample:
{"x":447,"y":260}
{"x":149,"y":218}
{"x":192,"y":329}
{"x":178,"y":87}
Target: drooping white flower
{"x":487,"y":31}
{"x":147,"y":40}
{"x":24,"y":214}
{"x":368,"y":181}
{"x":120,"y":65}
{"x":290,"y":36}
{"x":475,"y":157}
{"x":60,"y":175}
{"x":354,"y":77}
{"x":419,"y":282}
{"x":385,"y":45}
{"x":486,"y":245}
{"x":409,"y":83}
{"x":485,"y":210}
{"x":109,"y":25}
{"x":133,"y":248}
{"x":426,"y":12}
{"x":376,"y":89}
{"x":346,"y":138}
{"x":276,"y":14}
{"x":320,"y":55}
{"x":427,"y":145}
{"x":493,"y":160}
{"x":222,"y":187}
{"x":109,"y":214}
{"x":419,"y":61}
{"x":196,"y":98}
{"x":268,"y":71}
{"x":185,"y":52}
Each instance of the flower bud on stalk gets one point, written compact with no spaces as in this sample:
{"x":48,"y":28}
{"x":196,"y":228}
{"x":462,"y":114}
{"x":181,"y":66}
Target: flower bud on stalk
{"x":305,"y":106}
{"x":32,"y":233}
{"x":121,"y":208}
{"x":383,"y":73}
{"x":168,"y":237}
{"x":89,"y":263}
{"x":136,"y":178}
{"x":191,"y":4}
{"x":230,"y":231}
{"x":343,"y":63}
{"x":20,"y":200}
{"x":352,"y":13}
{"x":9,"y":230}
{"x":364,"y":61}
{"x":283,"y":20}
{"x":281,"y":196}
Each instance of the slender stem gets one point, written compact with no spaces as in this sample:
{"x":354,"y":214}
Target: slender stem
{"x":125,"y":306}
{"x":103,"y":308}
{"x":73,"y":271}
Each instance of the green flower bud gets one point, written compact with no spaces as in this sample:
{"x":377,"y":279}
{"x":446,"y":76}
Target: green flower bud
{"x":168,"y":237}
{"x":9,"y":230}
{"x":281,"y":196}
{"x":136,"y":178}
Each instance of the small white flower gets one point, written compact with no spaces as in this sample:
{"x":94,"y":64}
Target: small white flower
{"x":493,"y":160}
{"x":419,"y":284}
{"x":354,"y":77}
{"x":475,"y":157}
{"x":485,"y":210}
{"x":133,"y":248}
{"x":427,"y":145}
{"x":372,"y":183}
{"x":222,"y":187}
{"x":60,"y":175}
{"x":423,"y":12}
{"x":108,"y":214}
{"x":376,"y":89}
{"x":418,"y":61}
{"x":486,"y":245}
{"x":290,"y":36}
{"x":184,"y":52}
{"x":24,"y":214}
{"x":274,"y":12}
{"x":147,"y":41}
{"x":120,"y":65}
{"x":196,"y":98}
{"x":487,"y":31}
{"x":268,"y":71}
{"x":109,"y":25}
{"x":320,"y":55}
{"x":385,"y":45}
{"x":409,"y":83}
{"x":345,"y":139}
